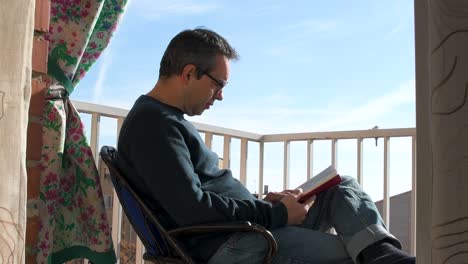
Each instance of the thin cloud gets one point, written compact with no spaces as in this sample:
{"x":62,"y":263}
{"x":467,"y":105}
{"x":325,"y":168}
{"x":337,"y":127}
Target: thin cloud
{"x":313,"y":25}
{"x":271,"y":118}
{"x":298,"y":36}
{"x":275,"y":51}
{"x":106,"y":60}
{"x":395,"y":30}
{"x":126,"y":93}
{"x":156,"y":10}
{"x":263,"y":10}
{"x":99,"y":85}
{"x":279,"y":99}
{"x":375,"y":109}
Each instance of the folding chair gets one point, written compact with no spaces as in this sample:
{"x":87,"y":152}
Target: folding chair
{"x":162,"y":246}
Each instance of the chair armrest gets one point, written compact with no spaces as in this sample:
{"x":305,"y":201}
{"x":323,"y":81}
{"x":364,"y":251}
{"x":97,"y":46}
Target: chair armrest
{"x":229,"y":227}
{"x":217,"y":227}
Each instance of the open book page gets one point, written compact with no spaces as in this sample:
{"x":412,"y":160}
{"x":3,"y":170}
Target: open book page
{"x":320,"y":182}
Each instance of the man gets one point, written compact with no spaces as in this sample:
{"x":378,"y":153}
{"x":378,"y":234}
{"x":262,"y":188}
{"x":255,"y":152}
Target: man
{"x":178,"y":175}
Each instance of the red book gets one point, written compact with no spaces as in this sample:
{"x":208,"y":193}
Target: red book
{"x":319,"y":183}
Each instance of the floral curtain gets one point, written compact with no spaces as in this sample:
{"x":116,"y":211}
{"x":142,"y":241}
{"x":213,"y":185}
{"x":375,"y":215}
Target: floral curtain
{"x":71,"y":206}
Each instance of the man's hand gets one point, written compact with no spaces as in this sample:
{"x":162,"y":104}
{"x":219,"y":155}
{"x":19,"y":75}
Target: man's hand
{"x":296,"y":211}
{"x":274,"y":197}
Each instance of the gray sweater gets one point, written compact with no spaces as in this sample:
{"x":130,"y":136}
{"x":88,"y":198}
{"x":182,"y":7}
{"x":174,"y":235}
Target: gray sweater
{"x":168,"y":163}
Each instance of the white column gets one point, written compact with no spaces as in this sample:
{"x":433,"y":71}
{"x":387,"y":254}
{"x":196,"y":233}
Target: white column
{"x":423,"y":148}
{"x":448,"y":87}
{"x":442,"y":126}
{"x":16,"y":31}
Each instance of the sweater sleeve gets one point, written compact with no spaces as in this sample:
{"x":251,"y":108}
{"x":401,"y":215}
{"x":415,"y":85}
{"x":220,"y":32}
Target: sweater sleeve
{"x":161,"y":157}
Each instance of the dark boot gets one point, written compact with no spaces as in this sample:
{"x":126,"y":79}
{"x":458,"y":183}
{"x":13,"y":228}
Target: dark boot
{"x":383,"y":252}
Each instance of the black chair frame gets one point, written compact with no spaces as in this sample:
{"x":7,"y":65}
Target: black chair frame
{"x":177,"y":254}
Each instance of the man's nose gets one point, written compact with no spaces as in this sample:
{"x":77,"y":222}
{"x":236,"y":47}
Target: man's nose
{"x":219,"y":95}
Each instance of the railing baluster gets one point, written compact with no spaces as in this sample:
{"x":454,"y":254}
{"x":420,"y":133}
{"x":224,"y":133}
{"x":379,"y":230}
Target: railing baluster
{"x":360,"y":155}
{"x":261,"y":149}
{"x":139,"y":251}
{"x":94,"y":140}
{"x":209,"y":139}
{"x":386,"y":197}
{"x":243,"y":161}
{"x":226,"y":152}
{"x":334,"y":153}
{"x":310,"y":159}
{"x":286,"y":164}
{"x":120,"y":121}
{"x":94,"y":144}
{"x":116,"y":224}
{"x":117,"y":208}
{"x":413,"y":198}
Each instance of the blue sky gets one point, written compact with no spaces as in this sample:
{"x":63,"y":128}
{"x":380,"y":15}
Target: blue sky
{"x":305,"y":66}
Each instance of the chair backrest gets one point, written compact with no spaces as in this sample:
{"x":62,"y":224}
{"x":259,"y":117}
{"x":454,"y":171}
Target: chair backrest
{"x":148,"y":228}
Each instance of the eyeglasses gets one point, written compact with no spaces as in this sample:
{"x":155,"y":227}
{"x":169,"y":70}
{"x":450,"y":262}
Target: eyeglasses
{"x":220,"y":83}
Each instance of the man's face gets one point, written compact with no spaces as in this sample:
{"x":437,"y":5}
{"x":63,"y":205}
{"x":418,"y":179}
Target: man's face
{"x":203,"y":92}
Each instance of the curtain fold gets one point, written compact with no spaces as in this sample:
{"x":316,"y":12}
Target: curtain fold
{"x":16,"y":33}
{"x":15,"y":92}
{"x":74,"y":223}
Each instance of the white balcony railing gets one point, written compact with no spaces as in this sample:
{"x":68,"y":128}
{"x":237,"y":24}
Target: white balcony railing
{"x":98,"y":111}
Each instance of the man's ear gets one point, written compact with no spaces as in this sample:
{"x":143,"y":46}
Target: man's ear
{"x":188,"y":72}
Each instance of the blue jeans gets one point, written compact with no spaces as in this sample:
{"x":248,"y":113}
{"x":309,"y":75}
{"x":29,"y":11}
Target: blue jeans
{"x":345,"y":207}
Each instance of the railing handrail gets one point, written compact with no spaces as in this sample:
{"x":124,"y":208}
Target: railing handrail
{"x":344,"y":134}
{"x":115,"y":112}
{"x":103,"y":110}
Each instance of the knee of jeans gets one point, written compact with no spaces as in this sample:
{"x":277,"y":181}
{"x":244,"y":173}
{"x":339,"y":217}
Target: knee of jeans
{"x":349,"y":181}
